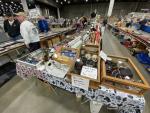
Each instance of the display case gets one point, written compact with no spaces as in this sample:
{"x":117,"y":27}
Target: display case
{"x":88,"y":65}
{"x":66,"y":55}
{"x":122,"y":74}
{"x":33,"y":59}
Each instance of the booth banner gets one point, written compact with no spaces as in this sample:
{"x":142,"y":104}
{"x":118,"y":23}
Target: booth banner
{"x":125,"y":103}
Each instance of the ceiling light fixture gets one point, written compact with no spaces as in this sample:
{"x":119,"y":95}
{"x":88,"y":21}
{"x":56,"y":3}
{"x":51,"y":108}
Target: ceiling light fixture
{"x":68,"y":2}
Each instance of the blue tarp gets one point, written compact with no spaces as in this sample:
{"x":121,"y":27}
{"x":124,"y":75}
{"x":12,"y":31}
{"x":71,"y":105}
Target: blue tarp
{"x":143,"y":58}
{"x":43,"y":25}
{"x":145,"y":28}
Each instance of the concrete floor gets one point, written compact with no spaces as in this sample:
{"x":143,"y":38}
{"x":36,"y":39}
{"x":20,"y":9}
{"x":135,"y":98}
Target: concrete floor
{"x":18,"y":96}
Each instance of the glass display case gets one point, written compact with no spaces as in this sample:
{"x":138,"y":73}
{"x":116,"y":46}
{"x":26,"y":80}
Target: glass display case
{"x":121,"y":73}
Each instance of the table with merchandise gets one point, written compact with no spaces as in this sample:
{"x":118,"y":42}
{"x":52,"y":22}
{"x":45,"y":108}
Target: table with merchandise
{"x":76,"y":66}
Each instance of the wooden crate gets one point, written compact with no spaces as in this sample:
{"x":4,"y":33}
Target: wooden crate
{"x":94,"y":83}
{"x":55,"y":40}
{"x":128,"y":86}
{"x":50,"y":44}
{"x":64,"y":59}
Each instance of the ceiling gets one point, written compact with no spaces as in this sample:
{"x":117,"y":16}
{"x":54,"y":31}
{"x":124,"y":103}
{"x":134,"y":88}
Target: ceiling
{"x":62,"y":2}
{"x":14,"y":6}
{"x":7,"y":6}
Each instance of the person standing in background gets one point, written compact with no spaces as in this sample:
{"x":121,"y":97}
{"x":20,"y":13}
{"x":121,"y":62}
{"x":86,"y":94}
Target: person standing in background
{"x":43,"y":24}
{"x":29,"y":32}
{"x":12,"y":27}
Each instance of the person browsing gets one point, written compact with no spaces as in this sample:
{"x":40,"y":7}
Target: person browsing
{"x":12,"y":27}
{"x":29,"y":32}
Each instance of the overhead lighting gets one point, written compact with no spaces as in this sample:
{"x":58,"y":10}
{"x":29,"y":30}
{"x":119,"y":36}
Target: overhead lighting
{"x":57,"y":1}
{"x":65,"y":0}
{"x":68,"y":2}
{"x":61,"y":3}
{"x":86,"y":0}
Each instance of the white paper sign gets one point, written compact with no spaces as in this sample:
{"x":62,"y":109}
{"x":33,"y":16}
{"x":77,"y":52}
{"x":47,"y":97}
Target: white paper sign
{"x":80,"y":82}
{"x":89,"y":72}
{"x":57,"y":69}
{"x":103,"y":55}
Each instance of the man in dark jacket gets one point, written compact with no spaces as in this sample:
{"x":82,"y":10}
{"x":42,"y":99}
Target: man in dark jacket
{"x":12,"y":27}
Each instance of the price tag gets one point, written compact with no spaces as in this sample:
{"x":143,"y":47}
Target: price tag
{"x":80,"y":82}
{"x":103,"y":55}
{"x":89,"y":72}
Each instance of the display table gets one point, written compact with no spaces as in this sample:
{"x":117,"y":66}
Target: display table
{"x":7,"y":48}
{"x":32,"y":65}
{"x":125,"y":103}
{"x":10,"y":46}
{"x":141,"y":37}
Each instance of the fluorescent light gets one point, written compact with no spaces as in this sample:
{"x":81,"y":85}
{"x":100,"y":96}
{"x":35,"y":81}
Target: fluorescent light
{"x":68,"y":2}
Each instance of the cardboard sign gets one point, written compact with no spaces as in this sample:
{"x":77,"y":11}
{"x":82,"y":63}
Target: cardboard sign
{"x":80,"y":82}
{"x":89,"y":72}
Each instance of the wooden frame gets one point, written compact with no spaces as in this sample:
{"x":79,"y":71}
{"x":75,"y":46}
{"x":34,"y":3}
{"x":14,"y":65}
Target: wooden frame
{"x":66,"y":48}
{"x":106,"y":79}
{"x":65,"y":59}
{"x":94,"y":83}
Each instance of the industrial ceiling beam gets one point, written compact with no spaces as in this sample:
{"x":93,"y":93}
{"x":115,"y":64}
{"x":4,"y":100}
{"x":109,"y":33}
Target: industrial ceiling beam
{"x":49,"y":2}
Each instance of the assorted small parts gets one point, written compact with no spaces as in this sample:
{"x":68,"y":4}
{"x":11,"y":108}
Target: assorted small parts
{"x":87,"y":58}
{"x":118,"y":70}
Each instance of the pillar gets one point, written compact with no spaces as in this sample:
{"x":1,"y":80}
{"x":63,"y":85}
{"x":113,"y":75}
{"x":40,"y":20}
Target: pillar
{"x":111,"y":5}
{"x":58,"y":13}
{"x":25,"y":6}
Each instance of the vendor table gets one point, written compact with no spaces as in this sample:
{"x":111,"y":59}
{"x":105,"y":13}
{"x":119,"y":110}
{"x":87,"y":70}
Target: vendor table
{"x":8,"y":50}
{"x":43,"y":37}
{"x":143,"y":38}
{"x":125,"y":103}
